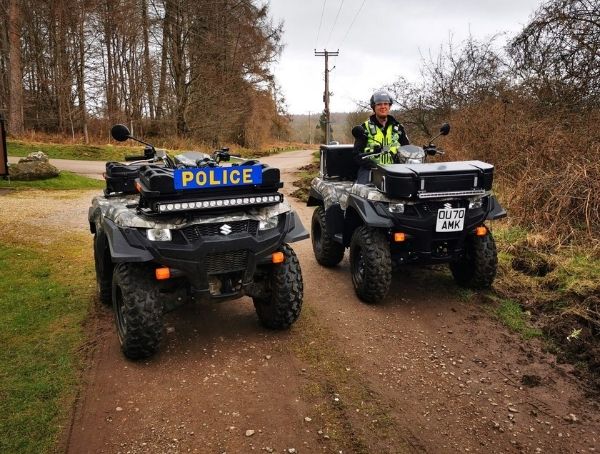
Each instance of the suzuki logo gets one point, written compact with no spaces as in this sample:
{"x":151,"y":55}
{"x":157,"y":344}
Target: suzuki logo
{"x":447,"y":206}
{"x":225,"y":229}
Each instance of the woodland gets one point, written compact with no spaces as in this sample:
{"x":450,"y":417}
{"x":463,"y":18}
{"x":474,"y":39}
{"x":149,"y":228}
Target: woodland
{"x":163,"y":67}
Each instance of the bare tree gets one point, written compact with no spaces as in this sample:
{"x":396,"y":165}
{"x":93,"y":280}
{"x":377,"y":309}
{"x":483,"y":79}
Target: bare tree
{"x":16,"y":124}
{"x":557,"y":55}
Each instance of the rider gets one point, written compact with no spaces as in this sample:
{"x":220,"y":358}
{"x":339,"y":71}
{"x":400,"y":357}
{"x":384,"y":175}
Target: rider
{"x":380,"y":133}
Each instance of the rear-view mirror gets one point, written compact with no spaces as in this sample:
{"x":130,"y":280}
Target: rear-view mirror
{"x":120,"y":133}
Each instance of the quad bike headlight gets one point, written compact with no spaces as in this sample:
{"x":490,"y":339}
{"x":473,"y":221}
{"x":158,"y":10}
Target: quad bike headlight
{"x":476,"y":203}
{"x":269,"y":223}
{"x":158,"y":234}
{"x":396,"y":208}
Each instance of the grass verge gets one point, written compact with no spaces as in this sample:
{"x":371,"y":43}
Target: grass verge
{"x":65,"y":180}
{"x":118,"y":152}
{"x":44,"y":298}
{"x":76,"y":152}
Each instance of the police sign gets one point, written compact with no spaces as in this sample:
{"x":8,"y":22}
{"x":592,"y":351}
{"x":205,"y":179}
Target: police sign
{"x":213,"y":177}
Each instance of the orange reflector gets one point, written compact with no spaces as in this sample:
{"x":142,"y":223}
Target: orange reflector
{"x":138,"y":187}
{"x":162,"y":273}
{"x":399,"y":237}
{"x":277,"y":257}
{"x":481,"y":231}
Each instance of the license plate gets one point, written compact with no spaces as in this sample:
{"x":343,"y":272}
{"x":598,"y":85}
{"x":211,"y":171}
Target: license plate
{"x":213,"y":177}
{"x":450,"y":220}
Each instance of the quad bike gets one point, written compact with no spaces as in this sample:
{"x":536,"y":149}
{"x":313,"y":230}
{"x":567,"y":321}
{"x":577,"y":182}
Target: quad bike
{"x":410,"y":212}
{"x":169,"y":230}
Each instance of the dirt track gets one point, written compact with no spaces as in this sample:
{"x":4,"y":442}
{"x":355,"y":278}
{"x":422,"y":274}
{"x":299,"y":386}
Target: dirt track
{"x":424,"y":371}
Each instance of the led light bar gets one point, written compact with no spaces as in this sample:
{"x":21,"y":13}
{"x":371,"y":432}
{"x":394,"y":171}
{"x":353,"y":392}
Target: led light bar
{"x":168,"y":207}
{"x":437,"y":195}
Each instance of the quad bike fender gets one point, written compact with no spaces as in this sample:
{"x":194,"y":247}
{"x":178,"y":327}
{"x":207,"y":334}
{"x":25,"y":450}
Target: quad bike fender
{"x":314,"y":198}
{"x":367,"y":212}
{"x":496,"y":211}
{"x":120,"y":249}
{"x":334,"y":219}
{"x":295,"y":229}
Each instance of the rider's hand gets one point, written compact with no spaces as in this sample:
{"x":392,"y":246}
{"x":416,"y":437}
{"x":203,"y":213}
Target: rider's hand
{"x":431,"y":150}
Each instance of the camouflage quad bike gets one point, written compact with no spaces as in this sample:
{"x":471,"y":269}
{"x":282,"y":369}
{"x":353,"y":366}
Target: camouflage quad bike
{"x":410,"y":212}
{"x":190,"y":225}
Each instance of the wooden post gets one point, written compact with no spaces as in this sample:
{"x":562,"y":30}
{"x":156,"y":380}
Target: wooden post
{"x":3,"y":150}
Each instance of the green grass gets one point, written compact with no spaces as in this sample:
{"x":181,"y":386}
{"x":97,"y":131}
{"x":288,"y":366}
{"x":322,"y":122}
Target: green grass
{"x":579,"y":273}
{"x":77,"y":152}
{"x":118,"y":153}
{"x":41,"y":312}
{"x":65,"y":180}
{"x":512,"y":316}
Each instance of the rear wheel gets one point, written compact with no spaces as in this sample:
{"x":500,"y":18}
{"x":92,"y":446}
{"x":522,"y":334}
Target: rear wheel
{"x":477,"y":267}
{"x":370,"y":264}
{"x":278,"y":307}
{"x":327,"y":251}
{"x":138,"y":309}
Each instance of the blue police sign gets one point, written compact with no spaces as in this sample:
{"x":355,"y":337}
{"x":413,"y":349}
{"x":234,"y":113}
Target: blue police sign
{"x":213,"y":177}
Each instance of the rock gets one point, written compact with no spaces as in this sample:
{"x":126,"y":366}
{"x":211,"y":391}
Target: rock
{"x":308,"y":419}
{"x":291,"y":451}
{"x":36,"y":156}
{"x":571,"y":418}
{"x":32,"y":170}
{"x":119,"y":409}
{"x":250,"y":432}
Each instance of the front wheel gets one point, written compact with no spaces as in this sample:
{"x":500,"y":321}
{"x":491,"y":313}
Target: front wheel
{"x":138,"y":309}
{"x":327,"y":251}
{"x":279,"y":306}
{"x":477,"y":267}
{"x":370,"y":264}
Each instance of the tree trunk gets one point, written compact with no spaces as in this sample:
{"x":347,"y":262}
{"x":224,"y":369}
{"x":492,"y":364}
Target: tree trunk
{"x":81,"y":75}
{"x":16,"y":125}
{"x":147,"y":63}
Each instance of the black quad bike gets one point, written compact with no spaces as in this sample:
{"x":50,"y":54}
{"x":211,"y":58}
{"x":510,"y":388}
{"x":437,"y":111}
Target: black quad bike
{"x":410,"y":212}
{"x":168,"y":230}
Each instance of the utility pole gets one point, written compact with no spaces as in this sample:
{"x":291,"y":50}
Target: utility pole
{"x":327,"y":54}
{"x":309,"y":130}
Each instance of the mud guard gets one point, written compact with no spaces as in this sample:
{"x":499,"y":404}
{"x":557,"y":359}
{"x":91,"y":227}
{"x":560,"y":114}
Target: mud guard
{"x":496,"y":210}
{"x":120,"y":249}
{"x":367,"y":213}
{"x":295,"y":229}
{"x":314,"y":198}
{"x":334,"y":219}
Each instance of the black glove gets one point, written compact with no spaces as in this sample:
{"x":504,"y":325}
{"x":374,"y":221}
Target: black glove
{"x":430,"y":149}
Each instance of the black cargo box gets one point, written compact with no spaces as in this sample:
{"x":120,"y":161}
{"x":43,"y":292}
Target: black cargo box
{"x":337,"y":162}
{"x":433,"y":180}
{"x":120,"y":178}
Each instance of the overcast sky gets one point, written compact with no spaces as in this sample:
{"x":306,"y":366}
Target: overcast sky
{"x":386,"y":40}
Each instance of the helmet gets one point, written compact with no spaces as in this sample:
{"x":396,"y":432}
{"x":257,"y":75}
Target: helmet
{"x":379,"y":97}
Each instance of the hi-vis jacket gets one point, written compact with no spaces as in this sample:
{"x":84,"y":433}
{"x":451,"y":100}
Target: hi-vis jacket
{"x":390,"y":137}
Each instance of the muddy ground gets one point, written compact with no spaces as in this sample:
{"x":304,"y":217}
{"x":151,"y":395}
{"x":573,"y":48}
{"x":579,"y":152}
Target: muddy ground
{"x":427,"y":370}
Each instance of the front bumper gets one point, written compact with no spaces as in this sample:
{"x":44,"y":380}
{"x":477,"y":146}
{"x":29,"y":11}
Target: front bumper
{"x":198,"y":255}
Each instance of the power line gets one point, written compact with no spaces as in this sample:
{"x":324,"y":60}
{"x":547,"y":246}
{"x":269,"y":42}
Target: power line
{"x":352,"y":23}
{"x":334,"y":22}
{"x":320,"y":23}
